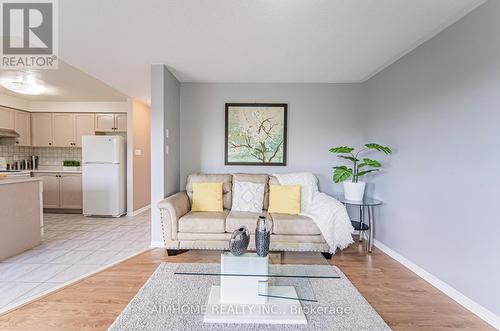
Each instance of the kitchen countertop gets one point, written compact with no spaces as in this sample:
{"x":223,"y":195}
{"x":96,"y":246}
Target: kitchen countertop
{"x":56,"y":171}
{"x":17,"y":180}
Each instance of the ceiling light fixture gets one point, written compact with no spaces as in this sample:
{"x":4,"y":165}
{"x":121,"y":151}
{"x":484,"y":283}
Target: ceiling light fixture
{"x":23,"y":84}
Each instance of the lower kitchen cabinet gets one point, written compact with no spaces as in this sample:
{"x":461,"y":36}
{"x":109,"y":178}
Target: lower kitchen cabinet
{"x":51,"y":190}
{"x":61,"y":190}
{"x":71,"y":191}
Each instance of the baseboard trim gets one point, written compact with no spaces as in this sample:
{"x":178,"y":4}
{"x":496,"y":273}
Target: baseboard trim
{"x":483,"y":313}
{"x":138,"y":211}
{"x":157,"y":244}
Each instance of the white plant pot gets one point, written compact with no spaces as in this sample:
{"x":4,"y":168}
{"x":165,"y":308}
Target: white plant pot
{"x":354,"y":191}
{"x":71,"y":168}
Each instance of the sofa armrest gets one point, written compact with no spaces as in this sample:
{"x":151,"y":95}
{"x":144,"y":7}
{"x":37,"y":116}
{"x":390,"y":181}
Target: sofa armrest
{"x":171,"y":210}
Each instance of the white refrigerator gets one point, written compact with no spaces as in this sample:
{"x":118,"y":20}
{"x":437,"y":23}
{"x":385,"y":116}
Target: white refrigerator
{"x":104,"y":175}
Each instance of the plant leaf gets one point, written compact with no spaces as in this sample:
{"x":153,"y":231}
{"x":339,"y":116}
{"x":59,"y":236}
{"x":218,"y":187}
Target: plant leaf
{"x":379,"y":148}
{"x":370,"y":163}
{"x":362,"y":173}
{"x":350,"y":158}
{"x":341,"y":149}
{"x":341,"y":174}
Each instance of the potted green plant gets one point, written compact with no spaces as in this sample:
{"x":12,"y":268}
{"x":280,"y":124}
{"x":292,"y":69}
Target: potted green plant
{"x":354,"y":189}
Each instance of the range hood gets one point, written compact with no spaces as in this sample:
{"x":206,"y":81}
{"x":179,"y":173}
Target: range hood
{"x":8,"y":136}
{"x":8,"y":133}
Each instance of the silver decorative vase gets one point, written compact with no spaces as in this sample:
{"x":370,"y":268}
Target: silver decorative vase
{"x":239,"y":241}
{"x":262,"y":237}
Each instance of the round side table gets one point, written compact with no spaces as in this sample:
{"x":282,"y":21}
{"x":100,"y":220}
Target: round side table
{"x":366,"y":204}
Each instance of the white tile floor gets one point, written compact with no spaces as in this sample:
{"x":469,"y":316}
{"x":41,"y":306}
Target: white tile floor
{"x":73,"y":245}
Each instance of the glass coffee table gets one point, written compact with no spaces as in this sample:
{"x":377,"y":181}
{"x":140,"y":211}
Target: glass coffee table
{"x":269,"y":288}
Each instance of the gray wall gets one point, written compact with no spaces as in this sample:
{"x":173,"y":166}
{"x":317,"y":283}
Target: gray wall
{"x":172,"y":124}
{"x":165,"y":169}
{"x":319,"y":116}
{"x":439,"y":107}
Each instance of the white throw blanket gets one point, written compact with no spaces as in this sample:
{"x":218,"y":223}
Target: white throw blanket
{"x":329,"y":214}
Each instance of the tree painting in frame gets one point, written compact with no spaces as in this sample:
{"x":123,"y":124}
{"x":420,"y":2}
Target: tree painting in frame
{"x":256,"y":134}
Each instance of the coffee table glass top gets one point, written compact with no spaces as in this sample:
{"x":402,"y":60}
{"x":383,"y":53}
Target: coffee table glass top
{"x":287,"y":269}
{"x":275,"y":271}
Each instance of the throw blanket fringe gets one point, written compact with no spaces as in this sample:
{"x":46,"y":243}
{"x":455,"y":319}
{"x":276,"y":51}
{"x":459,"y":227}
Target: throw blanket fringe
{"x":329,"y":214}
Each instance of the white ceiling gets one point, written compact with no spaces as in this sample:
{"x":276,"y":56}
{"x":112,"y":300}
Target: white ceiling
{"x":245,"y":40}
{"x":66,"y":83}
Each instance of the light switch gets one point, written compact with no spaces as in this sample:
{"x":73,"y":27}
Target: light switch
{"x":138,"y":152}
{"x":166,"y":133}
{"x":166,"y":149}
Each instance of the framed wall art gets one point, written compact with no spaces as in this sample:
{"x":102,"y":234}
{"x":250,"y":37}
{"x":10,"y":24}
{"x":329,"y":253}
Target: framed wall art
{"x":256,"y":134}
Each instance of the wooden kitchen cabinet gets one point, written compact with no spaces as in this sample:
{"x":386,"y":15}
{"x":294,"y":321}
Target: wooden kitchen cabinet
{"x":84,"y":126}
{"x":6,"y":118}
{"x":22,"y":125}
{"x":71,"y":191}
{"x":105,"y":122}
{"x":41,"y":129}
{"x":75,"y":126}
{"x":67,"y":129}
{"x":61,"y":190}
{"x":111,"y":122}
{"x":121,"y":122}
{"x":63,"y":126}
{"x":51,"y":190}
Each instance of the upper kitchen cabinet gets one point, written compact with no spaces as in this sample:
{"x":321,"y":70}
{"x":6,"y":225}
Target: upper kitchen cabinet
{"x":63,"y":126}
{"x":111,"y":122}
{"x":61,"y":129}
{"x":22,"y":125}
{"x":84,"y":126}
{"x":121,"y":122}
{"x":6,"y":118}
{"x":70,"y":127}
{"x":104,"y":122}
{"x":41,"y":129}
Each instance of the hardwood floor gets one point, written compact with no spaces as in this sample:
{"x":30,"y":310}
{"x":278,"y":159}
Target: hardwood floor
{"x":405,"y":301}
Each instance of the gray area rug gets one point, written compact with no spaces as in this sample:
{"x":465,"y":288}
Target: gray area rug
{"x":174,"y":302}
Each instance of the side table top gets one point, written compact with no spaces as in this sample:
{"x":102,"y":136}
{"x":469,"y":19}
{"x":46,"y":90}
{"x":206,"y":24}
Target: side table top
{"x":367,"y":201}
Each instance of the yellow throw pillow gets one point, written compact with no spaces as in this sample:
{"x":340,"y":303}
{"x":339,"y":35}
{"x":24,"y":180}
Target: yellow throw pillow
{"x":284,"y":199}
{"x":207,"y":197}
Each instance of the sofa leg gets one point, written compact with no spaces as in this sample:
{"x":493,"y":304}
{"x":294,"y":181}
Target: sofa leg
{"x":172,"y":252}
{"x":327,"y":256}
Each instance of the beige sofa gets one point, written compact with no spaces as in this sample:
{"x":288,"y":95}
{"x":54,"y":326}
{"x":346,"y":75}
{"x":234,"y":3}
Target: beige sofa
{"x":184,"y":229}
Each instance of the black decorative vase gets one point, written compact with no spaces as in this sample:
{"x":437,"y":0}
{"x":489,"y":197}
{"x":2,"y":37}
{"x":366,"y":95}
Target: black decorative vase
{"x":262,"y":237}
{"x":239,"y":241}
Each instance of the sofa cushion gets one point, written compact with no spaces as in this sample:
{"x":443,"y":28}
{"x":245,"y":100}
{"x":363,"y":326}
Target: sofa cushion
{"x":258,"y":179}
{"x":294,"y":224}
{"x":284,"y":199}
{"x":203,"y":222}
{"x":225,"y":179}
{"x":235,"y":219}
{"x":247,"y":196}
{"x":207,"y":197}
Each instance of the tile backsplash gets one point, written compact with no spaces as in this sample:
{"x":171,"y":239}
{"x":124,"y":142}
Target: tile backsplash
{"x":13,"y":153}
{"x":54,"y":156}
{"x":49,"y":156}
